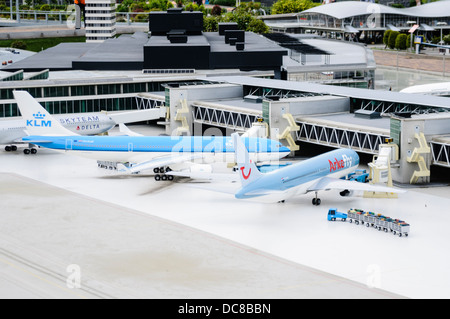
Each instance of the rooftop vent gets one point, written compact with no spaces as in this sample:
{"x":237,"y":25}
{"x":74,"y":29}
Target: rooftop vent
{"x":367,"y":114}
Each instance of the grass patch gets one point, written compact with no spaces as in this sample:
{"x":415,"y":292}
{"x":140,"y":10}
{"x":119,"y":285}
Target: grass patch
{"x":40,"y":44}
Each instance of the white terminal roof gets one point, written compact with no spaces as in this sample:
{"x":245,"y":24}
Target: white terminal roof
{"x":367,"y":94}
{"x":346,"y":9}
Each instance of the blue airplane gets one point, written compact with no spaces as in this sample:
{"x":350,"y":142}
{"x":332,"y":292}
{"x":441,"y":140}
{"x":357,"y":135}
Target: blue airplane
{"x":136,"y":154}
{"x":322,"y":172}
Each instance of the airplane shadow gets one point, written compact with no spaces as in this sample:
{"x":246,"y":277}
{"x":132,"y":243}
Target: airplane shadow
{"x":155,"y":186}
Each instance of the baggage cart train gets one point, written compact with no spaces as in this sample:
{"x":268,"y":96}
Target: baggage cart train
{"x":378,"y":221}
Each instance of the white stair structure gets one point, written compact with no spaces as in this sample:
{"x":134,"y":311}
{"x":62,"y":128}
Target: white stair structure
{"x":380,"y":169}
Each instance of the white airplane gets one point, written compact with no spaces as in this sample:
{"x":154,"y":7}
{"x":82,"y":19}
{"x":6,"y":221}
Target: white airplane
{"x":438,"y":89}
{"x":13,"y":130}
{"x":322,"y":172}
{"x":136,"y":154}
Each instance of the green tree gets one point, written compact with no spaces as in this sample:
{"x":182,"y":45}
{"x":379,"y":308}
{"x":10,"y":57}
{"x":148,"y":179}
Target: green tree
{"x":195,"y":7}
{"x":210,"y":24}
{"x":244,"y":20}
{"x":227,"y":3}
{"x":292,"y":6}
{"x":386,"y":37}
{"x":124,"y":6}
{"x":400,"y":42}
{"x":392,"y":37}
{"x":258,"y":26}
{"x":446,"y":39}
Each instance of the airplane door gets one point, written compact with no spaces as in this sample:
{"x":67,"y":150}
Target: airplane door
{"x":130,"y":147}
{"x":69,"y":144}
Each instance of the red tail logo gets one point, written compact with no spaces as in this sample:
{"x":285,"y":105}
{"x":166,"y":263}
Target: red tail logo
{"x":243,"y":174}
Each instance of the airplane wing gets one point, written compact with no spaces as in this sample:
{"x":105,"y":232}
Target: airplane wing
{"x":139,"y":115}
{"x":327,"y":183}
{"x":35,"y":140}
{"x":162,"y":161}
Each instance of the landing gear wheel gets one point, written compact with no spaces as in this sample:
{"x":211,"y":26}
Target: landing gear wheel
{"x":33,"y":151}
{"x":316,"y":201}
{"x":26,"y":151}
{"x":157,"y":177}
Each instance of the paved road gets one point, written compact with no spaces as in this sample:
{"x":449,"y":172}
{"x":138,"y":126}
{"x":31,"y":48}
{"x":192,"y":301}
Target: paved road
{"x":432,"y":61}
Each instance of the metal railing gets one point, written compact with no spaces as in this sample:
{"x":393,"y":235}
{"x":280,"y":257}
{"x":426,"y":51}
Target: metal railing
{"x":48,"y":17}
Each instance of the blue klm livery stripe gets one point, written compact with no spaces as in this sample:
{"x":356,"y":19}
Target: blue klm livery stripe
{"x":153,"y":144}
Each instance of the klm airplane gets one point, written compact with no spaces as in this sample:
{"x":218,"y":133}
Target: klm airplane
{"x":322,"y":172}
{"x":136,"y":154}
{"x":13,"y":130}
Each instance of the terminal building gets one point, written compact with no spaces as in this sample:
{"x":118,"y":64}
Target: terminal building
{"x":212,"y":101}
{"x":176,"y":44}
{"x":366,"y":20}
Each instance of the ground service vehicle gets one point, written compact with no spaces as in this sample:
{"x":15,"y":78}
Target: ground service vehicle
{"x":333,"y":213}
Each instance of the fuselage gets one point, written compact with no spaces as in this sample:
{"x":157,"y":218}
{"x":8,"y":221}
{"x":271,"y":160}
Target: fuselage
{"x":12,"y":130}
{"x":297,"y":178}
{"x":135,"y":149}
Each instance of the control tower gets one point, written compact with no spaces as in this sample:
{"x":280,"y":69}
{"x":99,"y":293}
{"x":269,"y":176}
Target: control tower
{"x":100,"y":20}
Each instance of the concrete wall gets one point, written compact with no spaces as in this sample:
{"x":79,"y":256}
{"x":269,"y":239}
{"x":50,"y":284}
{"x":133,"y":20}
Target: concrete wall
{"x":319,"y":105}
{"x":437,"y":126}
{"x":407,"y":144}
{"x":301,"y":106}
{"x":194,"y":93}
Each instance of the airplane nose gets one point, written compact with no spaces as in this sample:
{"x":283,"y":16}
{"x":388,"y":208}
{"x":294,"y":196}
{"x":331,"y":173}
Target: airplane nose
{"x":284,"y":151}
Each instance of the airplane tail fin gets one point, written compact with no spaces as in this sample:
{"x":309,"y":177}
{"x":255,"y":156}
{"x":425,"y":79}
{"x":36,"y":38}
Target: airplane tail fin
{"x":125,"y":130}
{"x":248,"y":171}
{"x":37,"y":120}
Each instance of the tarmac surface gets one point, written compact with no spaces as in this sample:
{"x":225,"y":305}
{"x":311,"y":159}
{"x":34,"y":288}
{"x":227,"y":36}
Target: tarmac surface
{"x":47,"y":233}
{"x":64,"y":220}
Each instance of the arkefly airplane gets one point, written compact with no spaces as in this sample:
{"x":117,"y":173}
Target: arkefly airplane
{"x":136,"y":154}
{"x":322,"y":172}
{"x":12,"y":130}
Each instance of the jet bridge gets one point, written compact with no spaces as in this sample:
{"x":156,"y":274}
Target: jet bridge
{"x":440,"y":151}
{"x":324,"y":131}
{"x":226,"y":116}
{"x":145,"y":101}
